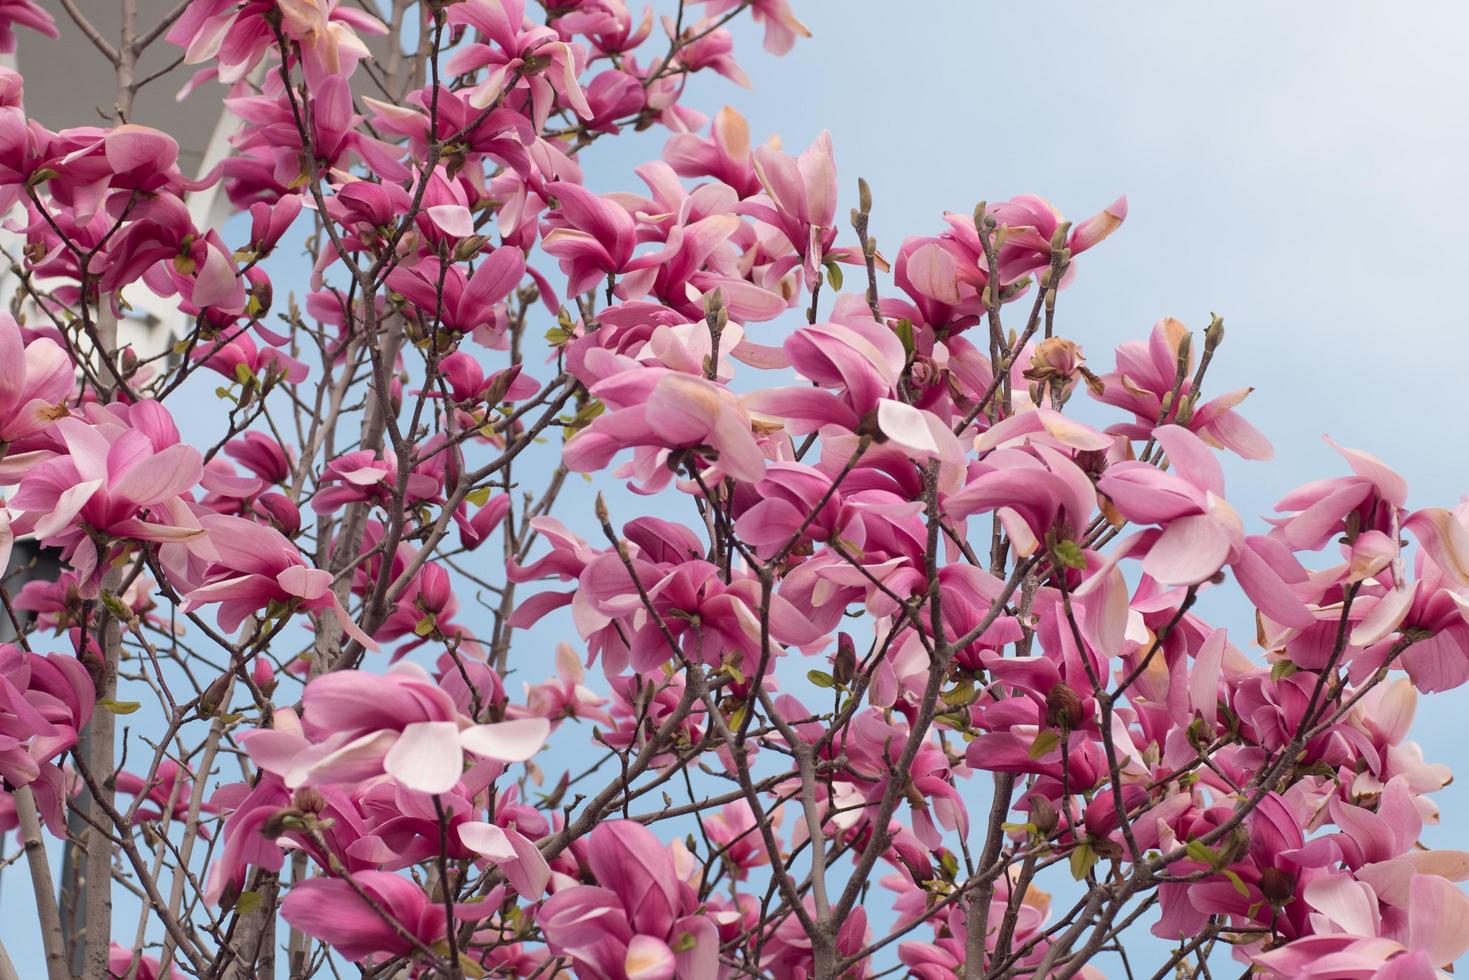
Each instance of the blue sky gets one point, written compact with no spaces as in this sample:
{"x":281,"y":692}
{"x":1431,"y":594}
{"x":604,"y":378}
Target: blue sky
{"x":1295,"y":167}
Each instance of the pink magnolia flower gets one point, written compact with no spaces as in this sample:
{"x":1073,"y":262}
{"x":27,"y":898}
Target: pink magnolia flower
{"x":355,"y":726}
{"x":781,"y":26}
{"x":788,"y":952}
{"x":566,"y":696}
{"x":273,"y":138}
{"x":45,"y":701}
{"x":1201,"y":532}
{"x":592,"y":236}
{"x":261,"y":455}
{"x":639,"y":922}
{"x":367,"y":476}
{"x":120,"y":961}
{"x":36,"y":378}
{"x":667,"y":410}
{"x":724,"y":154}
{"x":1145,"y":376}
{"x":945,"y":276}
{"x":171,"y":789}
{"x":122,"y":478}
{"x":608,"y":24}
{"x":802,"y":199}
{"x":734,"y":830}
{"x":254,"y":567}
{"x":705,"y":45}
{"x":515,"y":42}
{"x":268,"y":223}
{"x":1353,"y":941}
{"x":463,"y":303}
{"x":237,"y":35}
{"x":27,"y":14}
{"x":332,"y":910}
{"x":240,"y":359}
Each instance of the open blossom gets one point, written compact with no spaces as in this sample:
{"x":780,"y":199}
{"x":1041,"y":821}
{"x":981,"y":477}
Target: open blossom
{"x":566,"y":696}
{"x":1144,"y":382}
{"x":592,"y":236}
{"x":515,"y":43}
{"x":47,"y":701}
{"x":122,"y":477}
{"x":639,"y":920}
{"x":802,"y":197}
{"x":1201,"y":531}
{"x":337,"y":913}
{"x":254,"y":567}
{"x":945,"y":276}
{"x":36,"y":376}
{"x":668,"y":410}
{"x":239,"y":35}
{"x":355,"y":726}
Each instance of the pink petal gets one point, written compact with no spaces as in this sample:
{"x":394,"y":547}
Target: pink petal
{"x":426,"y":757}
{"x":515,"y":854}
{"x":507,"y":741}
{"x":648,"y":958}
{"x":1438,"y":919}
{"x":906,"y":428}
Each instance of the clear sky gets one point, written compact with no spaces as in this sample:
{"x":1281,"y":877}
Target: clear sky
{"x":1297,"y":168}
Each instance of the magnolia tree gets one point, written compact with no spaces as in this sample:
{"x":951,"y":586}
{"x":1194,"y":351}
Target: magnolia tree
{"x":896,"y":633}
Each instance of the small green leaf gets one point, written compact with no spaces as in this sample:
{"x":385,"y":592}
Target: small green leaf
{"x":1069,"y":554}
{"x":1282,"y":669}
{"x":116,"y":606}
{"x":1239,"y":885}
{"x":904,"y":331}
{"x":820,"y":678}
{"x":118,"y":707}
{"x":479,"y":497}
{"x":1202,"y":853}
{"x":1045,"y":743}
{"x":424,"y":626}
{"x":1083,"y":858}
{"x":834,"y":275}
{"x":960,"y":695}
{"x":248,"y":902}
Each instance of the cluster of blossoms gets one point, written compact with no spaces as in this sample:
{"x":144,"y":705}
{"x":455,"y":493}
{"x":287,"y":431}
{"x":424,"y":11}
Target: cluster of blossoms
{"x":896,"y":616}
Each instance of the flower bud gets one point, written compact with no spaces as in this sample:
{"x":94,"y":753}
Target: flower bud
{"x":263,"y":674}
{"x":1214,"y":332}
{"x":467,"y":248}
{"x":1055,"y":358}
{"x":844,"y":665}
{"x":1185,"y":349}
{"x":864,"y":196}
{"x":308,"y":799}
{"x":1063,"y":708}
{"x":1277,"y":886}
{"x":214,"y":695}
{"x":1043,"y":815}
